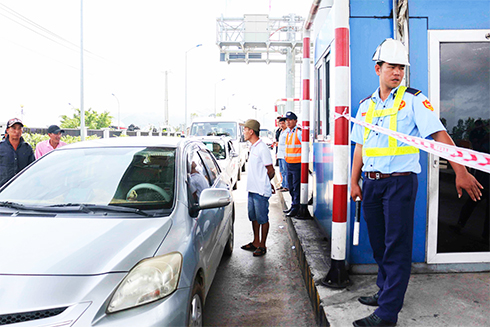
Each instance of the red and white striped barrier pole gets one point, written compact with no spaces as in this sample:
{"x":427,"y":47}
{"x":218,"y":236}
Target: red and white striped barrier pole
{"x":283,"y":100}
{"x":337,"y":277}
{"x":305,"y":134}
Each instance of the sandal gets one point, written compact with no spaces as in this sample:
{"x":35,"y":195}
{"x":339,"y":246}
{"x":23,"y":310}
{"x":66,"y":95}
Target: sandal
{"x":249,"y":247}
{"x":260,"y":251}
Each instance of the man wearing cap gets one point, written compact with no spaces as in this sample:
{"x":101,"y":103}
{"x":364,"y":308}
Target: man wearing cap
{"x":293,"y":162}
{"x":390,"y":177}
{"x":54,"y":133}
{"x":15,"y":153}
{"x":259,"y":187}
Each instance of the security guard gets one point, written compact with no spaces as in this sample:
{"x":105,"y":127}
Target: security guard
{"x":293,"y":162}
{"x":390,"y":177}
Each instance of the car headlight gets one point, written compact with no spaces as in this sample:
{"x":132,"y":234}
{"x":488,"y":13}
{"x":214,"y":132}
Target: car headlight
{"x":148,"y":281}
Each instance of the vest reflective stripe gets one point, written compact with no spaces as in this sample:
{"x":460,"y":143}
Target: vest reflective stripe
{"x":293,"y":148}
{"x":393,"y":149}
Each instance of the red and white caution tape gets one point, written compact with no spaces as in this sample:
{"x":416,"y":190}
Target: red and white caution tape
{"x":463,"y":156}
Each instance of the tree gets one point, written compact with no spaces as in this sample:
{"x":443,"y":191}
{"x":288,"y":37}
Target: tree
{"x":194,"y":116}
{"x":93,"y":120}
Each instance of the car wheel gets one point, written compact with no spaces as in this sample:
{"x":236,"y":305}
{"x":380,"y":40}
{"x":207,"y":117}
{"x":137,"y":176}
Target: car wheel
{"x":239,"y":175}
{"x":231,"y":239}
{"x":196,"y":306}
{"x":243,"y":167}
{"x":235,"y":186}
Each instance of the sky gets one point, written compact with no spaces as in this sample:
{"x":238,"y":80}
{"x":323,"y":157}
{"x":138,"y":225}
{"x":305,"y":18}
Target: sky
{"x":128,"y":46}
{"x":465,"y":81}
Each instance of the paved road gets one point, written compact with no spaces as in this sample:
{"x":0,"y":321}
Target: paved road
{"x":259,"y":291}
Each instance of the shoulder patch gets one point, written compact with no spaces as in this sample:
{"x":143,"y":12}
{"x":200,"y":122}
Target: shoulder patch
{"x":413,"y":91}
{"x":369,"y":97}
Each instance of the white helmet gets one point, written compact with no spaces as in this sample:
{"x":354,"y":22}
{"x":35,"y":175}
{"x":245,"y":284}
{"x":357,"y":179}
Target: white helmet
{"x":392,"y":52}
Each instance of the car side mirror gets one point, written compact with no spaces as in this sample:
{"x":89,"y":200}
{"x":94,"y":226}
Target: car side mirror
{"x":214,"y":198}
{"x":233,"y":154}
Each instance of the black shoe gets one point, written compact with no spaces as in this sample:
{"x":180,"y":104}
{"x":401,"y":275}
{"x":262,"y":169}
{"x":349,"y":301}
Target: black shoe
{"x":292,"y":213}
{"x":287,"y":210}
{"x":308,"y":217}
{"x":370,"y":300}
{"x":373,"y":320}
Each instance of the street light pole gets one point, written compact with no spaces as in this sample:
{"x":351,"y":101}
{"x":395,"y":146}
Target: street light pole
{"x":118,"y":112}
{"x":185,"y":124}
{"x":82,"y":109}
{"x":215,"y":95}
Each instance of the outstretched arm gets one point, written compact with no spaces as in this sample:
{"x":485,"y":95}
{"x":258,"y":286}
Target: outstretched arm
{"x":464,"y":180}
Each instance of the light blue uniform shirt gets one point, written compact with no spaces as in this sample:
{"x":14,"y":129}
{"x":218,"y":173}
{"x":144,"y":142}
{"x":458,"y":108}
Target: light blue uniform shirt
{"x":416,"y":118}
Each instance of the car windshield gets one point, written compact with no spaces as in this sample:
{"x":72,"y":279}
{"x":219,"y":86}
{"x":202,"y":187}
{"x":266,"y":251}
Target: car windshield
{"x":135,"y":177}
{"x":214,"y":129}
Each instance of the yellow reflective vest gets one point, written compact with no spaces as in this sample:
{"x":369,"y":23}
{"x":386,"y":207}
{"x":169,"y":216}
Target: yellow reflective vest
{"x":293,"y":147}
{"x":393,"y":149}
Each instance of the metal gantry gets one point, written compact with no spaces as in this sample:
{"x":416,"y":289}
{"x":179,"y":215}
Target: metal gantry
{"x":261,"y":39}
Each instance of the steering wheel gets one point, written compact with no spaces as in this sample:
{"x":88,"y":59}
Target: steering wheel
{"x":149,"y":186}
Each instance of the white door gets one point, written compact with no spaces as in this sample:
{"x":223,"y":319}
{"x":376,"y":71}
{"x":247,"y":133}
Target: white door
{"x":459,"y":88}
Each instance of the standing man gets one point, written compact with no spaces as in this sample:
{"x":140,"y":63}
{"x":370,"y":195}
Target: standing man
{"x":281,"y":154}
{"x":15,"y":153}
{"x":293,"y":162}
{"x":390,"y":177}
{"x":54,"y":133}
{"x":260,"y":173}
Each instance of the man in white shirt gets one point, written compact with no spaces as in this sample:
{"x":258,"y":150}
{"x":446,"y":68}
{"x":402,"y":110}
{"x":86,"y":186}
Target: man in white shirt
{"x":259,"y":187}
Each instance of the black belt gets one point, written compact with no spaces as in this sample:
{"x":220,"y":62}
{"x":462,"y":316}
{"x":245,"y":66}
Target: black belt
{"x":374,"y":175}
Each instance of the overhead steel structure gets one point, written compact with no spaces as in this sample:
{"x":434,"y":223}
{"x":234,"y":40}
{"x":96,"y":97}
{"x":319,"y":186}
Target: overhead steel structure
{"x":261,"y":39}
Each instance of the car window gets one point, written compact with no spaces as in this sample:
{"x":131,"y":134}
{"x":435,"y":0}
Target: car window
{"x":211,"y":166}
{"x":197,"y":177}
{"x":137,"y":177}
{"x":217,"y":148}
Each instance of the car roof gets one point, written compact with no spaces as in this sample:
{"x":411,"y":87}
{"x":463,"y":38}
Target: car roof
{"x":216,"y":120}
{"x":143,"y":141}
{"x":211,"y":138}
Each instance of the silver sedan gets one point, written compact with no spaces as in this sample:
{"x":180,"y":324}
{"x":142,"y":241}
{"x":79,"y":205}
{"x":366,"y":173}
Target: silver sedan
{"x":118,"y":232}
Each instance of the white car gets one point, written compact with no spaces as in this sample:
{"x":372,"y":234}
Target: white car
{"x":267,"y":138}
{"x":226,"y":156}
{"x":224,"y":127}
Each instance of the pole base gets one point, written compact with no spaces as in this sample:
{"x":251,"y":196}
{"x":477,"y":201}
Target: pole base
{"x":337,"y":276}
{"x":303,"y":213}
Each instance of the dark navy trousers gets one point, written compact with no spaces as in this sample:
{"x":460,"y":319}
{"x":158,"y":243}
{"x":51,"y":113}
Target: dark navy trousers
{"x":388,"y":206}
{"x":294,"y":182}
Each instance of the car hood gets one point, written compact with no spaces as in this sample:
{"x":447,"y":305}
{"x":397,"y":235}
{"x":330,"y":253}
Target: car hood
{"x":77,"y":246}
